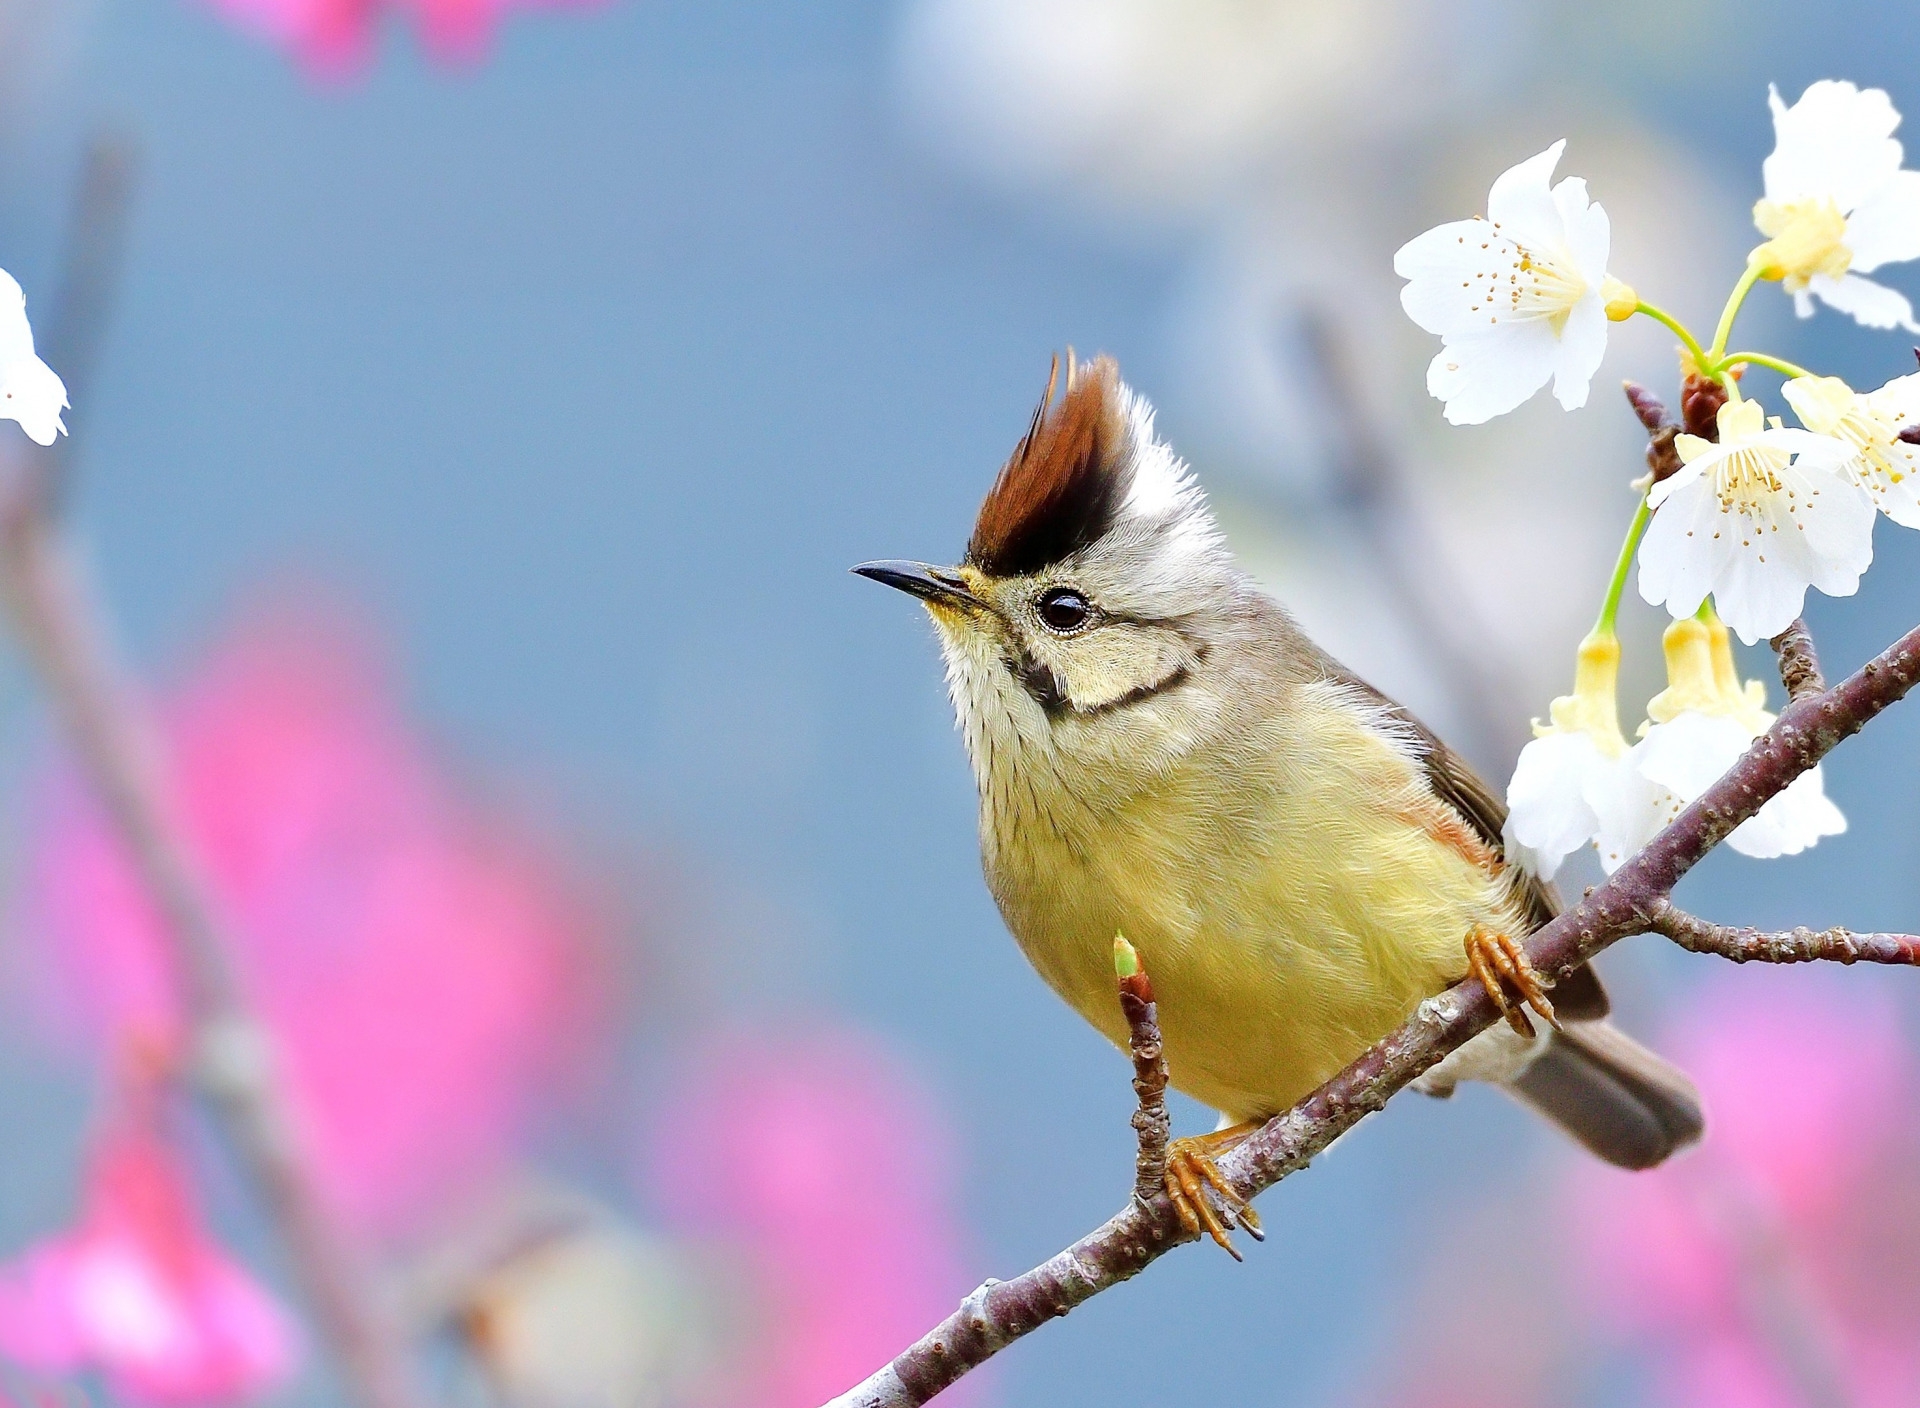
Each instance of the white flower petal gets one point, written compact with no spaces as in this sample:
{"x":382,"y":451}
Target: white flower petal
{"x":1836,"y":527}
{"x":1835,"y":142}
{"x":1588,"y":235}
{"x":1521,"y":204}
{"x":1866,"y":302}
{"x":1899,"y":399}
{"x":1758,"y":600}
{"x":1481,"y":375}
{"x":1898,"y":501}
{"x":1508,"y":295}
{"x":1791,"y":821}
{"x":1583,"y":342}
{"x":1896,"y":492}
{"x":1681,"y":477}
{"x":1446,"y":268}
{"x":31,"y":394}
{"x":1690,"y":752}
{"x":1680,"y":553}
{"x":29,"y":391}
{"x":1632,"y":811}
{"x":16,"y":334}
{"x":1885,"y":229}
{"x":1549,"y":815}
{"x":1754,"y":529}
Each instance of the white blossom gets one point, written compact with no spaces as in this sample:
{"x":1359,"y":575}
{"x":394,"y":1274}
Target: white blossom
{"x":1518,"y":298}
{"x":1698,"y":727}
{"x":1837,"y":203}
{"x":1754,"y":520}
{"x":1869,"y":424}
{"x":29,"y":391}
{"x":1563,"y":791}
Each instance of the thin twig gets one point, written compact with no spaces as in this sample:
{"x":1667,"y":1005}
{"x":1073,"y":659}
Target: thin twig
{"x":1150,"y":1121}
{"x":62,"y":630}
{"x":1799,"y":665}
{"x":1799,"y":945}
{"x":1000,"y":1312}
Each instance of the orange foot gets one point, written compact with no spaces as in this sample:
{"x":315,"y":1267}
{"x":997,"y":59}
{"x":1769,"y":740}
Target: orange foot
{"x":1497,"y":961}
{"x":1192,"y":1174}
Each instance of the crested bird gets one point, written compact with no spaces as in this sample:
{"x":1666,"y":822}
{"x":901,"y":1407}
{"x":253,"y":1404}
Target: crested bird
{"x":1161,"y":752}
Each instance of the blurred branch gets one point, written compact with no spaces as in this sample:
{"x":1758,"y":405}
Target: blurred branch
{"x":1631,"y":901}
{"x":1801,"y":945}
{"x":119,"y":747}
{"x":1799,"y":666}
{"x":96,"y":247}
{"x":1406,"y":555}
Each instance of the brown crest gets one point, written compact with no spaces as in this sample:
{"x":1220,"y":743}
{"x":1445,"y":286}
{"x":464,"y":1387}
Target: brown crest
{"x":1065,"y":481}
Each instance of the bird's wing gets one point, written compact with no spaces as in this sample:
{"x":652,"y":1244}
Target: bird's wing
{"x":1579,"y":995}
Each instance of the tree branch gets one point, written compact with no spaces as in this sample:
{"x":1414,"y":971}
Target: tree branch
{"x":1799,"y":666}
{"x":119,"y":749}
{"x":1150,"y":1122}
{"x":1628,"y":902}
{"x":231,"y":1050}
{"x":1800,"y":945}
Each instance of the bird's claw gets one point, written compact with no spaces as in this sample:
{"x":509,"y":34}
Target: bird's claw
{"x":1193,"y":1182}
{"x":1498,"y":962}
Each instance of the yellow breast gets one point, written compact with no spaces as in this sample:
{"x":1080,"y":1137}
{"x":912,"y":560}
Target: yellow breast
{"x":1291,"y":908}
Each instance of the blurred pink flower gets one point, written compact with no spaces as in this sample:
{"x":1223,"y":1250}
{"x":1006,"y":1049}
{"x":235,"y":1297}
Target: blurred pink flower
{"x":335,"y":38}
{"x":1771,"y":1264}
{"x":830,"y":1174}
{"x":426,"y":973}
{"x":139,"y":1291}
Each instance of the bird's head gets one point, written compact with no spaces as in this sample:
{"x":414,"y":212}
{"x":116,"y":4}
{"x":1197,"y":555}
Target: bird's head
{"x":1092,"y":593}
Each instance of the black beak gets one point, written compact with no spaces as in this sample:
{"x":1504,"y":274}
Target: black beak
{"x":935,"y":584}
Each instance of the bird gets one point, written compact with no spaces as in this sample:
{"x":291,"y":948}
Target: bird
{"x":1162,"y":753}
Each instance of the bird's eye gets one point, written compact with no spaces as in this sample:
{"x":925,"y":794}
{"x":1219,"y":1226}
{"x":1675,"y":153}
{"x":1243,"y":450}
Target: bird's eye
{"x":1064,"y":609}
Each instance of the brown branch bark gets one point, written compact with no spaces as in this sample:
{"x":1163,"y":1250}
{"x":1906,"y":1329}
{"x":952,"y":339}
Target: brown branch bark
{"x":1629,"y":902}
{"x":1799,"y":666}
{"x":1799,"y":945}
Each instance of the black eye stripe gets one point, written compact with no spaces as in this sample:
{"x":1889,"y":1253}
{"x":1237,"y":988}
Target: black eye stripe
{"x":1047,"y":688}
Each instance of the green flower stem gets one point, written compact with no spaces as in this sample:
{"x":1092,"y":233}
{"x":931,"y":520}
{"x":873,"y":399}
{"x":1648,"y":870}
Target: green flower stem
{"x":1610,"y":608}
{"x":1761,"y":359}
{"x":1715,"y":364}
{"x":1687,"y":339}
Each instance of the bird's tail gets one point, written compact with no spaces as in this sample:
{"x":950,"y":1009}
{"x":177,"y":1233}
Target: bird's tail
{"x":1616,"y":1097}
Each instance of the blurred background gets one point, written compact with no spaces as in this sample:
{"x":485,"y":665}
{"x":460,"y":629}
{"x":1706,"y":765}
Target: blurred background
{"x":489,"y":403}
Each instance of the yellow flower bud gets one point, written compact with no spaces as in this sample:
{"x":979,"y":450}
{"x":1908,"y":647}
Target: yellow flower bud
{"x":1620,"y":299}
{"x":1745,"y":700}
{"x":1593,"y":706}
{"x":1690,"y":682}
